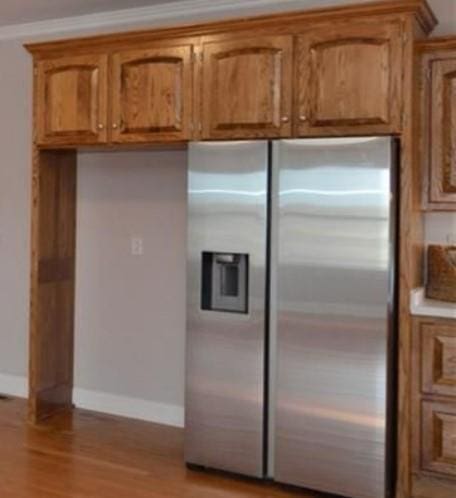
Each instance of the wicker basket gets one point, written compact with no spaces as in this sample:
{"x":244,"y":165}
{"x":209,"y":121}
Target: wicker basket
{"x":441,"y":283}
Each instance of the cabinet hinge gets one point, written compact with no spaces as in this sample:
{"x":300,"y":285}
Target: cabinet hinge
{"x":405,"y":37}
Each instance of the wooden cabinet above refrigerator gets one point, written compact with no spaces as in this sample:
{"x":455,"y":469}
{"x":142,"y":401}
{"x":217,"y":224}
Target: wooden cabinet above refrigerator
{"x":333,"y":72}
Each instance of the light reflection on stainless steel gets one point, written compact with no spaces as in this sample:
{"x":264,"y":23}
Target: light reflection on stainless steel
{"x":335,"y":221}
{"x":225,"y":351}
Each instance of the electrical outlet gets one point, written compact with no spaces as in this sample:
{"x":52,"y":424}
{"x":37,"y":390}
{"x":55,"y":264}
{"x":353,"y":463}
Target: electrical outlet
{"x":137,"y":246}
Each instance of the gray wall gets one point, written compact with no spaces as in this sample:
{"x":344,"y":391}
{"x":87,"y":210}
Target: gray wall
{"x":130,"y":310}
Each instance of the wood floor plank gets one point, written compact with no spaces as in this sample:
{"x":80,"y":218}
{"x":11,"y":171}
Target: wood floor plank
{"x":91,"y":455}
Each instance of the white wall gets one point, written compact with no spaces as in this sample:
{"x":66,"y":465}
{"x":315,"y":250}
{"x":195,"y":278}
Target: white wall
{"x":130,"y":311}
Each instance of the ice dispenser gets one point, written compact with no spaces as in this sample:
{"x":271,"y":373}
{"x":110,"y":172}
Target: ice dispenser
{"x":224,"y":282}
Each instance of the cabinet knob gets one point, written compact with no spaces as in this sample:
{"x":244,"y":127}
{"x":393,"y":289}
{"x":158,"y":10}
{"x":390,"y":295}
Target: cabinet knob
{"x":303,"y":118}
{"x":285,"y":119}
{"x":115,"y":126}
{"x":100,"y":126}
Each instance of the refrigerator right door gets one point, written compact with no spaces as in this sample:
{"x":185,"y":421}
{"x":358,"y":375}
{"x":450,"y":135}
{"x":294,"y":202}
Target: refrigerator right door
{"x":335,"y":317}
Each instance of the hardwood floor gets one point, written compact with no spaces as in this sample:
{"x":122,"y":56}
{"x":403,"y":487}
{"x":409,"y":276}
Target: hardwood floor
{"x":92,"y":455}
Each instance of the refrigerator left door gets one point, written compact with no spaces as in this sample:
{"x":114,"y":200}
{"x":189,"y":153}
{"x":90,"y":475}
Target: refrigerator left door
{"x":226,"y":289}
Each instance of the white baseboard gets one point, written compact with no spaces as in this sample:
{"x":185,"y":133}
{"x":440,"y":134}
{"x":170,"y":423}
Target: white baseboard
{"x":13,"y":385}
{"x":123,"y":406}
{"x":112,"y":404}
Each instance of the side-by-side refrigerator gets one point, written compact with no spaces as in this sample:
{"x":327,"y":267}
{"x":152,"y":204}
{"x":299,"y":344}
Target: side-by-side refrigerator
{"x":291,"y":312}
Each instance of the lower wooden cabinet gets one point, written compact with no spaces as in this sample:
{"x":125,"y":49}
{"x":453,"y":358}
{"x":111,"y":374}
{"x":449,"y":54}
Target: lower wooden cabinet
{"x":438,"y":358}
{"x":438,"y":437}
{"x":433,"y":413}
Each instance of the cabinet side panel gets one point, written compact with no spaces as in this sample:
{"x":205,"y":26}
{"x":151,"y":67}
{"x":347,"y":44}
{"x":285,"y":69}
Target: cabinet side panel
{"x":52,"y":283}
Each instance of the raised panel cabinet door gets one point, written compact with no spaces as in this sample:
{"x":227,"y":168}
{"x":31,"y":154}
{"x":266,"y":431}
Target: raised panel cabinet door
{"x":152,"y":95}
{"x":349,"y":79}
{"x":442,"y":171}
{"x":438,"y":357}
{"x":438,"y":437}
{"x":71,"y":105}
{"x":246,"y":88}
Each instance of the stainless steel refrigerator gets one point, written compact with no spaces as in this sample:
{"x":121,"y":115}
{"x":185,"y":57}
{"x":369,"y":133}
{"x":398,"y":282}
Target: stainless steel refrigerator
{"x":291,"y":311}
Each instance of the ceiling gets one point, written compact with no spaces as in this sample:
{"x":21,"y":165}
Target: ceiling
{"x":25,"y":11}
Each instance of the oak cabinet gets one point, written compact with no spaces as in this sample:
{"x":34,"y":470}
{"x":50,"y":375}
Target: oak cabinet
{"x":438,"y":359}
{"x":152,"y":94}
{"x":338,"y":79}
{"x":434,"y":403}
{"x":145,"y":97}
{"x":72,"y":100}
{"x":349,"y":79}
{"x":440,"y":131}
{"x":439,"y":437}
{"x":247,"y":88}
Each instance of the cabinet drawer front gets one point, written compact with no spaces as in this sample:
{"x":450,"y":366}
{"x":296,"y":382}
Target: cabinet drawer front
{"x":442,"y":171}
{"x":71,"y":95}
{"x":438,"y":432}
{"x":350,"y":80}
{"x":247,"y":88}
{"x":438,"y":356}
{"x":152,"y":94}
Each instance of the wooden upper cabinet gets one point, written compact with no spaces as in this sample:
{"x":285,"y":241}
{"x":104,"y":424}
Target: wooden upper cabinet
{"x":441,"y":173}
{"x":152,"y":94}
{"x":349,"y":79}
{"x":247,"y":87}
{"x":71,"y":105}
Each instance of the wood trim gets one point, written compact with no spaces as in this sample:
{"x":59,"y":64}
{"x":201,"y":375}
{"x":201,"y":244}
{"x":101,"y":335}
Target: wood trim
{"x":419,"y":8}
{"x":436,"y":44}
{"x":52,"y":282}
{"x":411,"y":252}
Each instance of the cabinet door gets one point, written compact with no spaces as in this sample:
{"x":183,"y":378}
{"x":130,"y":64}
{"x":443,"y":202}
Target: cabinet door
{"x":71,"y":100}
{"x":349,"y":79}
{"x":152,"y":95}
{"x":438,"y":357}
{"x":246,"y":88}
{"x":442,"y":105}
{"x":438,"y":433}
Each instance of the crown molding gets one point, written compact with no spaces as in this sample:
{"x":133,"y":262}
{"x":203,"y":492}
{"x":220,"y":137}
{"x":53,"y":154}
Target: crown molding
{"x":161,"y":13}
{"x":198,"y":11}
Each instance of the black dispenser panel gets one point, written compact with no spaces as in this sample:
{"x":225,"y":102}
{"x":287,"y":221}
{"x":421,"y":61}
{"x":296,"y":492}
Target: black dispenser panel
{"x":225,"y":282}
